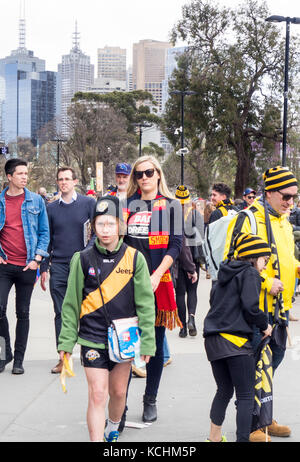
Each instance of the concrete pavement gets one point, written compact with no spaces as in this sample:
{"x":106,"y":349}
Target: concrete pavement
{"x":33,"y":407}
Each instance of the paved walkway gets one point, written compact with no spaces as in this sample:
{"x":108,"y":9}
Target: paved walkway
{"x":34,"y":408}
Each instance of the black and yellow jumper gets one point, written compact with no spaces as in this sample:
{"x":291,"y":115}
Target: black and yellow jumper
{"x":127,"y":291}
{"x":234,"y":309}
{"x":222,"y":210}
{"x":283,"y":236}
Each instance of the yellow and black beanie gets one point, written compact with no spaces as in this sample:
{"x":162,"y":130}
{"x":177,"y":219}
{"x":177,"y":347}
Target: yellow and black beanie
{"x":251,"y":246}
{"x":278,"y":178}
{"x":183,"y":194}
{"x":108,"y":205}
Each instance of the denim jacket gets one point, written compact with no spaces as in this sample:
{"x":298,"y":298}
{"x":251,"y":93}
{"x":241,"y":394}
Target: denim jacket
{"x":35,"y":224}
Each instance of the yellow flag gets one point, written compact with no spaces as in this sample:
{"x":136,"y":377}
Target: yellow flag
{"x":67,"y":371}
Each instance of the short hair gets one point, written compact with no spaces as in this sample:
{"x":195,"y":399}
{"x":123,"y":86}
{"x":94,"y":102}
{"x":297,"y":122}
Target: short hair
{"x":64,"y":169}
{"x":222,"y":188}
{"x":12,"y":164}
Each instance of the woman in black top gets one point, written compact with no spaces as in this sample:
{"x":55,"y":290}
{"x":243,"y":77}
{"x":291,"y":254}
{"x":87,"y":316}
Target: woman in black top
{"x":154,"y":227}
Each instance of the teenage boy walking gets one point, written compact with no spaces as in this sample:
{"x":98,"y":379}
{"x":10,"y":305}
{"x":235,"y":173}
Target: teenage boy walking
{"x":24,"y":239}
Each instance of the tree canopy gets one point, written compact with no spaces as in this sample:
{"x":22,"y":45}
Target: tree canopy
{"x":234,"y":61}
{"x":134,"y":105}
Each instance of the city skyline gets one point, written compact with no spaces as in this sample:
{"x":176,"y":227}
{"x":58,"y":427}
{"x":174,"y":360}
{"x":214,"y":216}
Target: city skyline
{"x":50,"y":25}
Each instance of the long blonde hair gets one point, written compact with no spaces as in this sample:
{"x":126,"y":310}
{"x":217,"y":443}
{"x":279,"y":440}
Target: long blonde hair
{"x":162,"y":185}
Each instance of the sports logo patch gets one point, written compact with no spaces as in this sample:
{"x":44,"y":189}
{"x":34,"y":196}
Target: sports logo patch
{"x":91,"y":355}
{"x":103,"y":206}
{"x":92,"y":271}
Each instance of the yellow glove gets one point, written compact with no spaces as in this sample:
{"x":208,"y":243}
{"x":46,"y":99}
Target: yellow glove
{"x":67,"y":371}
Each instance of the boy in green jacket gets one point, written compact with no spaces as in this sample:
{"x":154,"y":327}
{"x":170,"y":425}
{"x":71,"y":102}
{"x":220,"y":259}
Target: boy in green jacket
{"x":127,"y":292}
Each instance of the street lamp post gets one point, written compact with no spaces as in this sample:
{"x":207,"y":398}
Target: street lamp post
{"x":58,"y":141}
{"x":182,"y":95}
{"x":288,"y":22}
{"x":141,"y":126}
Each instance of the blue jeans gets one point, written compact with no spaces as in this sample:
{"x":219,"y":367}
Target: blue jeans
{"x":166,"y":350}
{"x":277,"y":352}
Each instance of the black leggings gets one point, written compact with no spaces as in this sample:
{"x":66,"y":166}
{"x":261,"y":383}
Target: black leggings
{"x":184,"y":286}
{"x":234,"y":373}
{"x":156,"y":364}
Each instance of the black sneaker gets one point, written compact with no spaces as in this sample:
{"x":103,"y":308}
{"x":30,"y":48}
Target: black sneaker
{"x":183,"y":332}
{"x":18,"y":368}
{"x":191,"y":326}
{"x":4,"y":362}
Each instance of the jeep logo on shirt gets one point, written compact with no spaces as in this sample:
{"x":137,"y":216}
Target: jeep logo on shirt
{"x":124,"y":271}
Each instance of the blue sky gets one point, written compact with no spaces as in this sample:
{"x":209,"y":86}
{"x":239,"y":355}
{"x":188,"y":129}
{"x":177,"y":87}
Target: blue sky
{"x":50,"y":24}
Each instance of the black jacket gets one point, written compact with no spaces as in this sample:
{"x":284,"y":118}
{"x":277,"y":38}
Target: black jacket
{"x":234,"y":301}
{"x":295,"y":218}
{"x":184,"y":261}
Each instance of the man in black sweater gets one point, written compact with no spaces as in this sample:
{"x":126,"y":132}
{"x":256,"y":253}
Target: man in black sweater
{"x":69,"y":223}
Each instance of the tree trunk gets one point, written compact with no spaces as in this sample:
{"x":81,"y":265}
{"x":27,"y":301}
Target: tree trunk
{"x":243,"y":166}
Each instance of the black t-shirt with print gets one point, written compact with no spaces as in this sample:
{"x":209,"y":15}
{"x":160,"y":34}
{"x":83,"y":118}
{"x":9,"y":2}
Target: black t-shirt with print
{"x":138,"y":232}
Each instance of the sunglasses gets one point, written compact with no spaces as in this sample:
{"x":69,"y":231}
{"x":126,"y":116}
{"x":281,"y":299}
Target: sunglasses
{"x":288,"y":197}
{"x":139,"y":174}
{"x":251,"y":197}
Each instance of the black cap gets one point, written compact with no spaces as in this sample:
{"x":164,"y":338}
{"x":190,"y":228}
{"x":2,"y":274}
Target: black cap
{"x":108,"y":205}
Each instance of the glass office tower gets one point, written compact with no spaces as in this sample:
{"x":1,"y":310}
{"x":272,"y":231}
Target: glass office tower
{"x":75,"y":74}
{"x":29,"y":93}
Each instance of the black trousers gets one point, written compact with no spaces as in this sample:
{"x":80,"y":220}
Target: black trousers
{"x":234,"y":373}
{"x":59,"y":273}
{"x":185,"y":287}
{"x":155,"y":366}
{"x":24,"y":282}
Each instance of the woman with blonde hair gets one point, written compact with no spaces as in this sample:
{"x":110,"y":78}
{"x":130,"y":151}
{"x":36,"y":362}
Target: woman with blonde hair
{"x":133,"y":185}
{"x":154,"y":227}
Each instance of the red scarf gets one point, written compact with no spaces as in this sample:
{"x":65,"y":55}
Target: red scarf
{"x":167,"y":312}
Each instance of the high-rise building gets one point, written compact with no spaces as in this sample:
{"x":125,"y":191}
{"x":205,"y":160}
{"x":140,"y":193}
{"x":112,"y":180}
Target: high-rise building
{"x":103,"y":86}
{"x":112,"y":63}
{"x":76,"y":73}
{"x":148,"y":70}
{"x":129,"y":85}
{"x":27,"y":93}
{"x":171,"y":64}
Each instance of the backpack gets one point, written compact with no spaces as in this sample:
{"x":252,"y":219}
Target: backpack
{"x":215,"y":239}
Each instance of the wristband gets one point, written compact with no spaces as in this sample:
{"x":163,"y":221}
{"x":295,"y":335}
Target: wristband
{"x":37,"y":261}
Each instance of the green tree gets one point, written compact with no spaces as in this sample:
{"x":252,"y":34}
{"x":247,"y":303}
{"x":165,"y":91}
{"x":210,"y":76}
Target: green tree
{"x":153,"y":149}
{"x":136,"y":106}
{"x":235,"y":64}
{"x":98,"y":133}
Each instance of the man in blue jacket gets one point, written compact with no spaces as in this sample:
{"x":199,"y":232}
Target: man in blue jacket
{"x":24,"y":239}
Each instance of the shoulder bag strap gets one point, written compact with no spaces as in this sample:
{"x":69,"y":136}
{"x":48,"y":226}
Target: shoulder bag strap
{"x":95,"y":264}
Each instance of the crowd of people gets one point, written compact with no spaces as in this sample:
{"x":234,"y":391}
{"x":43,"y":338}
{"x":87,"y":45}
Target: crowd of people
{"x":138,"y":251}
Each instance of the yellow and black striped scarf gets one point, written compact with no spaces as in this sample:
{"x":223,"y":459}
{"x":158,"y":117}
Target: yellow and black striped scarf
{"x":225,"y":205}
{"x":278,"y":311}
